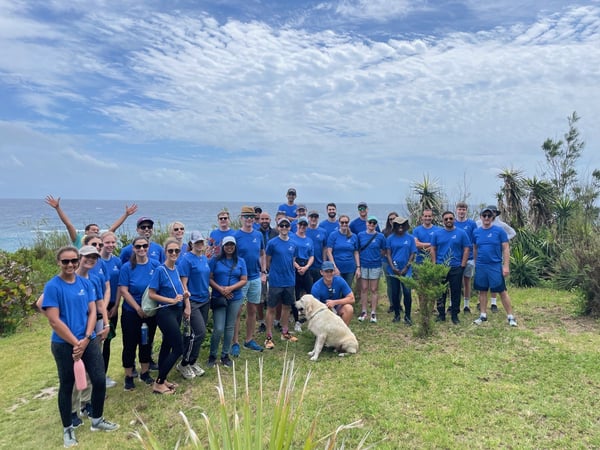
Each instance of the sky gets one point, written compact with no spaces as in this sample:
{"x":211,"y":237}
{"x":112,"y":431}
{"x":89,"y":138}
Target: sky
{"x":237,"y":100}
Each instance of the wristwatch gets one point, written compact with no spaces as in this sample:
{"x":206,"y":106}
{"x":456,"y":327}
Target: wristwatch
{"x":89,"y":337}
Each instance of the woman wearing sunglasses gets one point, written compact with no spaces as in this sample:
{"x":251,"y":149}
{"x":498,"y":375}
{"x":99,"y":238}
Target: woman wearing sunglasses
{"x":342,"y":251}
{"x":134,"y":278}
{"x":69,"y":304}
{"x":166,"y":289}
{"x":177,"y":230}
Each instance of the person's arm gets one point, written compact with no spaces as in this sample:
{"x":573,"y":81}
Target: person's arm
{"x":433,"y":254}
{"x":357,"y":262}
{"x":55,"y":203}
{"x":505,"y":259}
{"x":465,"y":257}
{"x":263,"y":266}
{"x":129,"y":210}
{"x":131,"y":301}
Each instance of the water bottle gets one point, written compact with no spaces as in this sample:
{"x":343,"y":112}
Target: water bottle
{"x":99,"y":325}
{"x":80,"y":379}
{"x":187,"y":329}
{"x":144,"y":333}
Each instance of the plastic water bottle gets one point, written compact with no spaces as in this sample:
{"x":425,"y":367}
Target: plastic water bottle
{"x":144,"y":333}
{"x":80,"y":379}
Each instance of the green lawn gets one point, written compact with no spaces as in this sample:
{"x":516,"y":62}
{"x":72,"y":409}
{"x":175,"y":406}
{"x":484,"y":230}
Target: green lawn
{"x":535,"y":386}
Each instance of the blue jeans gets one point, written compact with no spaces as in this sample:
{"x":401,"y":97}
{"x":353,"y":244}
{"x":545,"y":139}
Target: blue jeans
{"x":223,"y":326}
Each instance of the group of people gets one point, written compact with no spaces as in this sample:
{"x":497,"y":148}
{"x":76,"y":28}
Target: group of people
{"x":254,"y":266}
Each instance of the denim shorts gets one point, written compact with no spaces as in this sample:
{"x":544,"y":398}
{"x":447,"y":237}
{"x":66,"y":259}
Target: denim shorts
{"x":371,"y":274}
{"x":252,"y":290}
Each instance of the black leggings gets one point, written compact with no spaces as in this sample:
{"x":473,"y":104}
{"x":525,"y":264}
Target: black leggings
{"x":94,"y":366}
{"x":131,"y":327}
{"x":169,"y":322}
{"x":192,"y":343}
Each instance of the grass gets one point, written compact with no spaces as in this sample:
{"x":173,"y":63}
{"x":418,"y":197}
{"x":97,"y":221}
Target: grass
{"x":491,"y":386}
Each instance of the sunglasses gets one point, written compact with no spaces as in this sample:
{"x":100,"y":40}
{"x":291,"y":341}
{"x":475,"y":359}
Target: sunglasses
{"x":362,"y":208}
{"x":139,"y":246}
{"x":223,"y":218}
{"x":448,"y":218}
{"x":486,"y":216}
{"x":66,"y":262}
{"x":179,"y":229}
{"x":145,"y":227}
{"x":314,"y":216}
{"x":344,"y":222}
{"x":302,"y":224}
{"x":174,"y":250}
{"x":248,"y":217}
{"x":284,"y":225}
{"x":372,"y":222}
{"x":97,"y":244}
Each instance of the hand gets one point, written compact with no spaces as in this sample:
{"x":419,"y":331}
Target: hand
{"x":330,"y":304}
{"x":112,"y":311}
{"x":178,"y":298}
{"x":505,"y":271}
{"x":140,"y":313}
{"x":103,"y":334}
{"x":186,"y":294}
{"x":187,"y":312}
{"x":54,"y":202}
{"x":129,"y":210}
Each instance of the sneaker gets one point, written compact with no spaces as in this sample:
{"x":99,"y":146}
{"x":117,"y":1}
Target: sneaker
{"x":129,"y":384}
{"x":262,"y":328}
{"x":69,"y":438}
{"x":269,"y":343}
{"x":110,"y":383}
{"x":288,"y":337}
{"x":226,"y":361}
{"x":396,"y":319}
{"x":185,"y":371}
{"x":440,"y":318}
{"x":480,"y":320}
{"x":390,"y":309}
{"x":146,"y":378}
{"x":212,"y":361}
{"x":134,"y":372}
{"x":512,"y":322}
{"x":373,"y":318}
{"x":494,"y":308}
{"x":198,"y":371}
{"x":235,"y":350}
{"x":467,"y":310}
{"x":455,"y":320}
{"x":103,"y":425}
{"x":298,"y":327}
{"x":252,"y":345}
{"x":363,"y":316}
{"x":75,"y":420}
{"x":153,"y":365}
{"x":86,"y":410}
{"x":407,"y":321}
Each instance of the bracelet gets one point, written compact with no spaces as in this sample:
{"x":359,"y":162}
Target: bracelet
{"x":107,"y":326}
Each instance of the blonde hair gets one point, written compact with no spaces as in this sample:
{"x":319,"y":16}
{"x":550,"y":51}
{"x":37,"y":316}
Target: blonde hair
{"x":172,"y":225}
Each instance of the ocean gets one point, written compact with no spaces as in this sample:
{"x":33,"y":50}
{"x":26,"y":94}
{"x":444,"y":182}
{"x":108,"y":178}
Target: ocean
{"x":21,"y":220}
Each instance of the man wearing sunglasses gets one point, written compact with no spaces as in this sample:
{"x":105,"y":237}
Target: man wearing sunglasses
{"x":145,"y":228}
{"x":359,"y":224}
{"x":492,"y":258}
{"x":218,"y":234}
{"x":290,"y":206}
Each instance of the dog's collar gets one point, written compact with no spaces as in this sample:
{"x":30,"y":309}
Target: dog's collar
{"x":320,"y":310}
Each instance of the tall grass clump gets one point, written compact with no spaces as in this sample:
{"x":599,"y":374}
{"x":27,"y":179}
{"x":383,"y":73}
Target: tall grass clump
{"x":241,"y":423}
{"x":16,"y":293}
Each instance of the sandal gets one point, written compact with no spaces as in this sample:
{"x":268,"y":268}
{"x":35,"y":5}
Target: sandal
{"x":160,"y":389}
{"x":171,"y":385}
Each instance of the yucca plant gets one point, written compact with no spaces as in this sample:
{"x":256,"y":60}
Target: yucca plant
{"x":240,"y":423}
{"x":524,"y":268}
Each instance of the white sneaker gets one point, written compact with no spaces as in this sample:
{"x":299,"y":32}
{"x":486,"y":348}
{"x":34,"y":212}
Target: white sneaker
{"x":185,"y":371}
{"x":363,"y":316}
{"x":373,"y":318}
{"x":110,"y":382}
{"x":198,"y":371}
{"x":512,"y":322}
{"x":480,"y":320}
{"x":298,"y":327}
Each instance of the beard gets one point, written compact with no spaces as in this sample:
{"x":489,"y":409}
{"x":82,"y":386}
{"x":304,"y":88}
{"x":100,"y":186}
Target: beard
{"x":332,"y":215}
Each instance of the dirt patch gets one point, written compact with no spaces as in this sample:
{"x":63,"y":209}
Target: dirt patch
{"x":44,"y":394}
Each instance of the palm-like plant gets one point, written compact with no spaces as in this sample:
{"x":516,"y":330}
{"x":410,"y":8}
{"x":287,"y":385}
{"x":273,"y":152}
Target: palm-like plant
{"x":540,"y":202}
{"x":513,"y":191}
{"x":564,"y":209}
{"x":427,"y":194}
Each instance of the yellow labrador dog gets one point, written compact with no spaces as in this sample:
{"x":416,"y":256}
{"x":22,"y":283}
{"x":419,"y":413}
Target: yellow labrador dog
{"x":327,"y":326}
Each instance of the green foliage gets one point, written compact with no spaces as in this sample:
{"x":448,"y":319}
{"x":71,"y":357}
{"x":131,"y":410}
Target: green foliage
{"x":427,"y":194}
{"x":511,"y":198}
{"x":429,"y":282}
{"x":240,"y":423}
{"x":16,"y":293}
{"x":524,"y":268}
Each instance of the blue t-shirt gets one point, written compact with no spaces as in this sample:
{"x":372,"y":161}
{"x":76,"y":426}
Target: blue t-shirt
{"x":305,"y":247}
{"x":319,"y":239}
{"x":216,"y":237}
{"x":225,"y":273}
{"x":329,"y":227}
{"x":166,"y":282}
{"x":290,"y":210}
{"x":489,"y":244}
{"x":99,"y":285}
{"x":401,"y":247}
{"x":370,"y":257}
{"x":249,"y":247}
{"x":137,"y":280}
{"x":424,"y":235}
{"x":468,"y":226}
{"x":72,"y":301}
{"x":281,"y":270}
{"x":339,"y":289}
{"x":343,"y":248}
{"x":155,"y":251}
{"x":359,"y":225}
{"x":99,"y":270}
{"x":449,"y":246}
{"x":112,"y":266}
{"x":196,"y":270}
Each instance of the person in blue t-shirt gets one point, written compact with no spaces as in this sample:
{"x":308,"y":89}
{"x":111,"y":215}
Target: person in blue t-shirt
{"x":177,"y":230}
{"x":334,"y":292}
{"x":468,"y":226}
{"x":319,"y":239}
{"x":217,"y":235}
{"x":423,"y":234}
{"x":145,"y":228}
{"x":69,"y":303}
{"x":492,"y":262}
{"x":372,"y":246}
{"x":359,"y":224}
{"x":342,"y":251}
{"x":450,"y":246}
{"x":330,"y":224}
{"x":290,"y":207}
{"x":401,"y":250}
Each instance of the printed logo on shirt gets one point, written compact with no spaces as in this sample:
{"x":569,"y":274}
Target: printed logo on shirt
{"x":81,"y":292}
{"x":115,"y":269}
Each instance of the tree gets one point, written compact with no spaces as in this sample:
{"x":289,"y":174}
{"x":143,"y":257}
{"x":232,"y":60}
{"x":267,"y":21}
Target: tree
{"x":428,"y":194}
{"x":511,"y":200}
{"x":540,"y":202}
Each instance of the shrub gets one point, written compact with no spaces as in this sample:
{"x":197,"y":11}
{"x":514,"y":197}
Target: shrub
{"x":524,"y":268}
{"x":16,"y":293}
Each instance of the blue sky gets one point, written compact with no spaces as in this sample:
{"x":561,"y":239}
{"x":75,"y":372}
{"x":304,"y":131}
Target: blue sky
{"x":237,"y":100}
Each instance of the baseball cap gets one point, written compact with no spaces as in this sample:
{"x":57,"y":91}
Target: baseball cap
{"x":400,"y":220}
{"x":327,"y":265}
{"x":196,"y":236}
{"x":301,"y":206}
{"x":370,"y":218}
{"x":141,"y":220}
{"x":87,"y":250}
{"x":313,"y":213}
{"x":283,"y":219}
{"x":490,"y":208}
{"x":362,"y":205}
{"x":227,"y":240}
{"x":302,"y":220}
{"x":291,"y":191}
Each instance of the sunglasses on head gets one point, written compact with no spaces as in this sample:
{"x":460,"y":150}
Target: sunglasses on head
{"x":97,"y":244}
{"x":73,"y":261}
{"x":174,"y":250}
{"x":179,"y":229}
{"x":145,"y":227}
{"x":139,"y":246}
